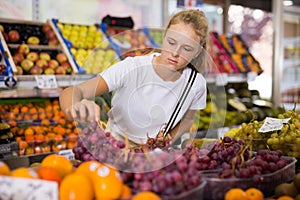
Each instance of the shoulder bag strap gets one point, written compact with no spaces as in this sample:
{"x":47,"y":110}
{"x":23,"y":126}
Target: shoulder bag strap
{"x":180,"y":101}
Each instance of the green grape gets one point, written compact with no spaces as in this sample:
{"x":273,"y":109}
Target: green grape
{"x":288,"y":139}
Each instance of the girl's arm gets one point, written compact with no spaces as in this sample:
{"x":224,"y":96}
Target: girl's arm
{"x":183,"y":126}
{"x":76,"y":103}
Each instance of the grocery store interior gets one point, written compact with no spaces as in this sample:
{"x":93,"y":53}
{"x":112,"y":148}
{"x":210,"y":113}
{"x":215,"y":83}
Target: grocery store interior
{"x":253,"y":101}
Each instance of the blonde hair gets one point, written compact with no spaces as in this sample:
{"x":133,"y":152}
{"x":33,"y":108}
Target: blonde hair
{"x":199,"y":23}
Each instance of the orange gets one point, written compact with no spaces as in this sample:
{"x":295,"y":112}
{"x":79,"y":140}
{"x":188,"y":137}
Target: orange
{"x":59,"y":163}
{"x":23,"y":172}
{"x":126,"y":192}
{"x":235,"y":194}
{"x":4,"y":169}
{"x":107,"y":183}
{"x":49,"y":173}
{"x":89,"y":168}
{"x":254,"y":194}
{"x":76,"y":186}
{"x":285,"y":197}
{"x":146,"y":195}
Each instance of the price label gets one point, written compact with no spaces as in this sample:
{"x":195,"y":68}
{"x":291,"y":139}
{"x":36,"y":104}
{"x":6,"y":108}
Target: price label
{"x":272,"y":124}
{"x":68,"y":153}
{"x":221,"y":79}
{"x":251,"y":76}
{"x":46,"y":81}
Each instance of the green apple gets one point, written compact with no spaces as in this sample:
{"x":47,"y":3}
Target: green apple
{"x":27,"y":65}
{"x":34,"y":40}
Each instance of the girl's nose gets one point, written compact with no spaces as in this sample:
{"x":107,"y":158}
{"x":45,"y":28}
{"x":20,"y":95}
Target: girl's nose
{"x":175,"y":52}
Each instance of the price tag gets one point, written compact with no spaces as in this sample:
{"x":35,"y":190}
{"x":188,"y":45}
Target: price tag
{"x":27,"y":189}
{"x":46,"y":81}
{"x":251,"y":76}
{"x":221,"y":79}
{"x":272,"y":124}
{"x":68,"y":153}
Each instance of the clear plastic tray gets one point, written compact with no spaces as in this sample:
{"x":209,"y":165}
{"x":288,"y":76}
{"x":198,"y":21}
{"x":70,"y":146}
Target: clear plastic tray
{"x":196,"y":193}
{"x":216,"y":188}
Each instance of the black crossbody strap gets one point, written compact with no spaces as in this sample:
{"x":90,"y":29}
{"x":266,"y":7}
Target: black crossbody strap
{"x":181,"y":101}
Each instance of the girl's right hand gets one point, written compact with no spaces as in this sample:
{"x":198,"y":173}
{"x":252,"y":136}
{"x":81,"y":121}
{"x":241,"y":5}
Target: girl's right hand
{"x":85,"y":110}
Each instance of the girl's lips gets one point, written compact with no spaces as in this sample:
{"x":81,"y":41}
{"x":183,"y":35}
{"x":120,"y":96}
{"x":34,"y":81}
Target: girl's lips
{"x":172,"y":61}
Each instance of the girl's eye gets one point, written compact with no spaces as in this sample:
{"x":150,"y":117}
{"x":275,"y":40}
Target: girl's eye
{"x":187,"y":48}
{"x":171,"y":42}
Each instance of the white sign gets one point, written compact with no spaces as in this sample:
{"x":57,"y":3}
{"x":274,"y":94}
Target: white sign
{"x":222,"y":79}
{"x":272,"y":124}
{"x":12,"y":188}
{"x":46,"y":81}
{"x":68,"y":153}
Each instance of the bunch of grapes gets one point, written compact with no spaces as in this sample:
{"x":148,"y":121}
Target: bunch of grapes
{"x":265,"y":162}
{"x":229,"y":151}
{"x":288,"y":138}
{"x":172,"y":172}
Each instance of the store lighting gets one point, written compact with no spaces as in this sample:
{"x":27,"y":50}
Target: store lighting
{"x":288,"y":2}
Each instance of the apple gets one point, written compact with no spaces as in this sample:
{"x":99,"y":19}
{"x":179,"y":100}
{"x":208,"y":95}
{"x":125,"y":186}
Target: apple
{"x":50,"y":34}
{"x":13,"y":36}
{"x":33,"y":56}
{"x":5,"y":36}
{"x":60,"y":70}
{"x":41,"y":63}
{"x":19,"y":70}
{"x":45,"y":56}
{"x":2,"y":68}
{"x":49,"y":71}
{"x":53,"y":63}
{"x":1,"y":28}
{"x":61,"y":57}
{"x":36,"y":70}
{"x":53,"y":42}
{"x":17,"y":58}
{"x":27,"y":65}
{"x":67,"y":67}
{"x":34,"y":40}
{"x":46,"y":28}
{"x":23,"y":49}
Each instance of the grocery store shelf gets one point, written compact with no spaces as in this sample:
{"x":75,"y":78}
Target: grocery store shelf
{"x":27,"y":86}
{"x":39,"y":47}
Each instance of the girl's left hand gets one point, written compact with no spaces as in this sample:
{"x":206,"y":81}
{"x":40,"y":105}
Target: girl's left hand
{"x":160,"y":137}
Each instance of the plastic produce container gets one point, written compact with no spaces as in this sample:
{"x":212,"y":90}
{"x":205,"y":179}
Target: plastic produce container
{"x":216,"y":188}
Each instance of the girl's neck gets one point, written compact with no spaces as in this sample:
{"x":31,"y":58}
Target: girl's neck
{"x":164,"y":72}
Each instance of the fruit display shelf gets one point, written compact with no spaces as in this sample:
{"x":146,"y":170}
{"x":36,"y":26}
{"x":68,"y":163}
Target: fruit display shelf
{"x":129,"y":42}
{"x":87,"y":44}
{"x":21,"y":37}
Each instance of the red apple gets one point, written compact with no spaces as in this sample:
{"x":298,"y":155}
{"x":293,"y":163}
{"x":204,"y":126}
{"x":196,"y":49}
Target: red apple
{"x":53,"y":42}
{"x":41,"y":63}
{"x":34,"y":40}
{"x":17,"y":58}
{"x":23,"y":49}
{"x":33,"y":56}
{"x":50,"y":34}
{"x":67,"y":67}
{"x":36,"y":70}
{"x":49,"y":71}
{"x":13,"y":36}
{"x":53,"y":63}
{"x":27,"y":65}
{"x":19,"y":70}
{"x":61,"y":57}
{"x":5,"y":35}
{"x":60,"y":70}
{"x":46,"y":28}
{"x":2,"y":68}
{"x":45,"y":56}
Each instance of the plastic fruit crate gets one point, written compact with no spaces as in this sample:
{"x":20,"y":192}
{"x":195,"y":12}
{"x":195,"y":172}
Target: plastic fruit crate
{"x":216,"y":188}
{"x":196,"y":193}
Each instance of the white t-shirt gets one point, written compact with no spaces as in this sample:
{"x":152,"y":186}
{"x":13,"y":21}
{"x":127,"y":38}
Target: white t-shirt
{"x":143,"y":102}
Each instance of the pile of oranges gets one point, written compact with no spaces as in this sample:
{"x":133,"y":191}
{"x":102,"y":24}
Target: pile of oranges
{"x":92,"y":180}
